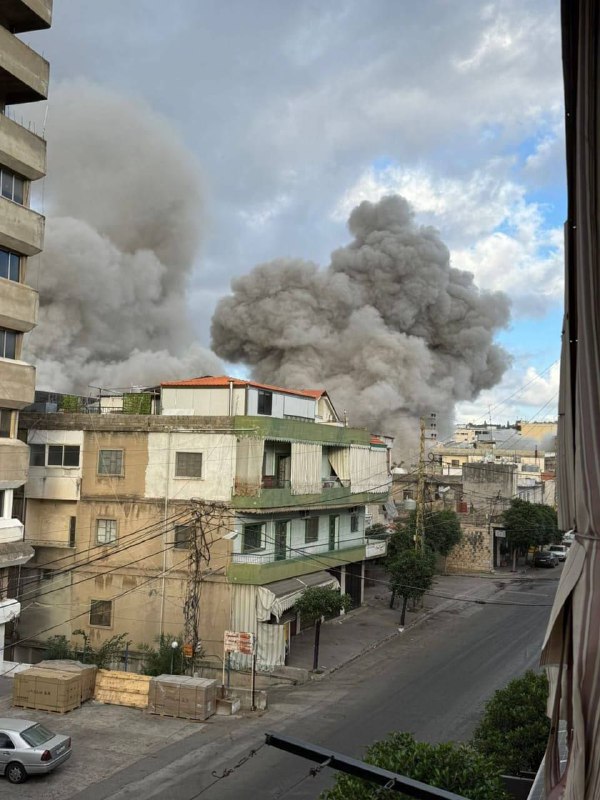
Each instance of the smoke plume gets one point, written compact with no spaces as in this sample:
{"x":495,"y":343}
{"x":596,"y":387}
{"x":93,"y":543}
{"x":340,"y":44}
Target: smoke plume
{"x":389,"y":328}
{"x":122,"y":232}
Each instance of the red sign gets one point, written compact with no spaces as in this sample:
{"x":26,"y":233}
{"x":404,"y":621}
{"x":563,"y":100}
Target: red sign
{"x":238,"y":642}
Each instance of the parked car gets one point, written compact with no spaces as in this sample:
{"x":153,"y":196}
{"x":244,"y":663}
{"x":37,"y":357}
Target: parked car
{"x":28,"y":748}
{"x":543,"y":558}
{"x":568,"y":539}
{"x":561,"y":551}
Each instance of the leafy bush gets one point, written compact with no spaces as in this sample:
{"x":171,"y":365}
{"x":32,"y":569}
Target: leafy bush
{"x":157,"y":660}
{"x":514,"y":729}
{"x":454,"y":767}
{"x":58,"y":647}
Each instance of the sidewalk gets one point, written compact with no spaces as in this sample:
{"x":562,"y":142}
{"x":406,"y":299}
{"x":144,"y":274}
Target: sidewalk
{"x":346,"y":638}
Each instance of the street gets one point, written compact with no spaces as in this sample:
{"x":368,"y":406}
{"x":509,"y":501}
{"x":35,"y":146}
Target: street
{"x":432,"y":681}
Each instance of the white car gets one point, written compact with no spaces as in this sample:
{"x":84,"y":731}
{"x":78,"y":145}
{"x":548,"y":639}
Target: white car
{"x":559,"y":550}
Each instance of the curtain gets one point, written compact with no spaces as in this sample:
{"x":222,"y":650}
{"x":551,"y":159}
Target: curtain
{"x":306,"y":468}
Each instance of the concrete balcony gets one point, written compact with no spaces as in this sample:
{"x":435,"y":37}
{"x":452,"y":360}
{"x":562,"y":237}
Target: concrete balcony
{"x":21,"y":229}
{"x":53,"y":483}
{"x":17,"y":386}
{"x":11,"y":530}
{"x":14,"y":458}
{"x":25,"y":15}
{"x":24,"y":74}
{"x":9,"y":609}
{"x":18,"y":306}
{"x":21,"y":150}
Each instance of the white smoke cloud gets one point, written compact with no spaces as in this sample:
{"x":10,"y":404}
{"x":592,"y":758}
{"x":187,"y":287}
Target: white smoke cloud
{"x":123,"y":228}
{"x":388,"y":328}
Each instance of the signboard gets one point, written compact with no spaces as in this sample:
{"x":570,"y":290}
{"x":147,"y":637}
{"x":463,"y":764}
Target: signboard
{"x":188,"y":650}
{"x":238,"y":642}
{"x":499,"y":533}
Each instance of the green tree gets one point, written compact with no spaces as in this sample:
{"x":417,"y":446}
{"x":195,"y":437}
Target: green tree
{"x":442,"y":531}
{"x":529,"y":525}
{"x":454,"y":767}
{"x":411,"y":575}
{"x":514,"y":729}
{"x":58,"y":647}
{"x":317,"y":602}
{"x":164,"y":659}
{"x":106,"y":654}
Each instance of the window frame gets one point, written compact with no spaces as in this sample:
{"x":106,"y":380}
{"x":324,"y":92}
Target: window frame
{"x":11,"y":256}
{"x":6,"y":432}
{"x":103,"y":474}
{"x":14,"y":177}
{"x":310,"y":536}
{"x":36,"y":448}
{"x":72,"y":531}
{"x":116,"y":531}
{"x":255,"y":549}
{"x":108,"y":608}
{"x":4,"y":339}
{"x":63,"y":449}
{"x":354,"y":522}
{"x":187,"y":476}
{"x":264,"y":396}
{"x":178,"y":542}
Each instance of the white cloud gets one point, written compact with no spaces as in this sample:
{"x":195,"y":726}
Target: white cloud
{"x":488,"y":224}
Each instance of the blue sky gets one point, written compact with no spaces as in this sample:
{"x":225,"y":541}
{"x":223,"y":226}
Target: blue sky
{"x":294,"y":113}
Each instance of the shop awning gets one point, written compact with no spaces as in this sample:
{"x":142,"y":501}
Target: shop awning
{"x":275,"y":598}
{"x":14,"y":553}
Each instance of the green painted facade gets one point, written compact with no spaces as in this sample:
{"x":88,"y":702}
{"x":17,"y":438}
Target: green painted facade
{"x":283,"y":498}
{"x":259,"y":574}
{"x":299,"y":431}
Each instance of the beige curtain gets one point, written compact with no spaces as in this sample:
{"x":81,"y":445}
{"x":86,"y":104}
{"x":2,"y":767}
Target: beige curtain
{"x":248,"y":466}
{"x":339,"y":458}
{"x":306,"y":468}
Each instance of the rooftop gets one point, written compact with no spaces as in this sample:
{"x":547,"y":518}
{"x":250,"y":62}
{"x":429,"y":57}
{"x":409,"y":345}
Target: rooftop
{"x":223,"y":381}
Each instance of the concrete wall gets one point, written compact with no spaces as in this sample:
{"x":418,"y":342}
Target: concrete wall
{"x":21,"y":150}
{"x":18,"y":305}
{"x":135,"y":461}
{"x":27,"y":66}
{"x":14,"y":458}
{"x":218,"y":466}
{"x":474,"y":553}
{"x":483,"y":482}
{"x":202,"y":402}
{"x":47,"y":522}
{"x":17,"y":382}
{"x":22,"y":229}
{"x":55,"y":483}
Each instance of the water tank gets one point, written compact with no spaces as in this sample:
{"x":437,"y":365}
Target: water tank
{"x":409,"y":504}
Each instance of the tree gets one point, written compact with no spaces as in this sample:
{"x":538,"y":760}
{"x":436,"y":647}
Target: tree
{"x":442,"y":532}
{"x":514,"y":728}
{"x":411,"y":575}
{"x":529,"y":525}
{"x":317,"y":602}
{"x":456,"y":768}
{"x":164,"y":659}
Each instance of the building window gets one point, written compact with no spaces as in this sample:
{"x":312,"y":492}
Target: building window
{"x":311,"y":529}
{"x":110,"y":462}
{"x":8,"y":343}
{"x":13,"y":187}
{"x":101,"y":613}
{"x":63,"y":455}
{"x":37,"y":455}
{"x":253,"y":537}
{"x":455,"y":462}
{"x":354,"y":523}
{"x":5,"y":423}
{"x":183,"y":536}
{"x":188,"y":465}
{"x":72,"y":528}
{"x":106,"y":531}
{"x":265,"y":402}
{"x":2,"y":502}
{"x":10,"y":265}
{"x":407,"y":494}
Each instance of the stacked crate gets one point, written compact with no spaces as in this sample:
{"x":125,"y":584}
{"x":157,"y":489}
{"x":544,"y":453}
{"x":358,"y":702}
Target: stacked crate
{"x":122,"y":688}
{"x":182,"y":696}
{"x":47,"y":690}
{"x":86,"y":671}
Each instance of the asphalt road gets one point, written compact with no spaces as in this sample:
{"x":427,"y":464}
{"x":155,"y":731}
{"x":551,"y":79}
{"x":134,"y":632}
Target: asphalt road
{"x":432,"y":681}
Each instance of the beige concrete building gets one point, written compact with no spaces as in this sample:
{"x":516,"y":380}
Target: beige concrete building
{"x":117,"y":502}
{"x":23,"y":79}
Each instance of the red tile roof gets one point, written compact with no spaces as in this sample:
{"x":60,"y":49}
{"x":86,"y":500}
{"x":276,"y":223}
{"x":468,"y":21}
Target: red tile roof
{"x":223,"y":381}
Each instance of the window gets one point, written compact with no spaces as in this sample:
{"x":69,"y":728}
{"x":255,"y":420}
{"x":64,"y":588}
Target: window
{"x":183,"y":536}
{"x":110,"y":462}
{"x":101,"y":613}
{"x":5,"y":423}
{"x":106,"y":531}
{"x":188,"y":465}
{"x":2,"y":501}
{"x":407,"y":494}
{"x":10,"y":265}
{"x":63,"y":455}
{"x":265,"y":402}
{"x":37,"y":455}
{"x":311,"y":529}
{"x":72,"y":528}
{"x":8,"y":343}
{"x":455,"y":462}
{"x":253,"y":537}
{"x":354,"y":523}
{"x":6,"y":742}
{"x":13,"y":187}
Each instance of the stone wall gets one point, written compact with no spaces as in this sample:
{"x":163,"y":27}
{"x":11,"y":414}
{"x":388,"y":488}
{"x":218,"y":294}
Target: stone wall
{"x":474,"y":553}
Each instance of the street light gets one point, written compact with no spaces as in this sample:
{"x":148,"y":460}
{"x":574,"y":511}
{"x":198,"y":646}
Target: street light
{"x":174,"y":646}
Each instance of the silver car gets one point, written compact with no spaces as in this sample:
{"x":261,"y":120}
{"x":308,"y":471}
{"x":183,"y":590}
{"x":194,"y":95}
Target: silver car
{"x":28,"y":748}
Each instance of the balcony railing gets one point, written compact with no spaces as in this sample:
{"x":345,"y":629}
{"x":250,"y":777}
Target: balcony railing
{"x":289,"y":553}
{"x":272,"y":482}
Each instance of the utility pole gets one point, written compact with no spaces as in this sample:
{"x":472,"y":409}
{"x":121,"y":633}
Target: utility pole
{"x":427,"y":431}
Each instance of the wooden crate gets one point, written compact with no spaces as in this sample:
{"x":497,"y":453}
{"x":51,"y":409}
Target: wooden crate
{"x":47,"y":690}
{"x":122,"y":688}
{"x":182,"y":696}
{"x":87,"y":672}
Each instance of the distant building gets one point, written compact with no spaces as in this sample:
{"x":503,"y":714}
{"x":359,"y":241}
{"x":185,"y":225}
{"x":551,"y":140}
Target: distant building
{"x":23,"y":79}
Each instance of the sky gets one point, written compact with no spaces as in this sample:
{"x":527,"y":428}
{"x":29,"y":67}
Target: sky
{"x":293,"y":113}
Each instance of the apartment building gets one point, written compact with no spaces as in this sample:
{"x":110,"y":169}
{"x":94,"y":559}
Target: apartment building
{"x":264,"y":484}
{"x":23,"y":79}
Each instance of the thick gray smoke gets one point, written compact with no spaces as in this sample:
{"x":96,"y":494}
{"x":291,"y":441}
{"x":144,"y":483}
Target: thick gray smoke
{"x":123,"y":227}
{"x":389,"y":328}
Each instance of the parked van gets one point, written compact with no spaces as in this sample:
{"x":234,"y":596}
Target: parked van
{"x":559,"y":550}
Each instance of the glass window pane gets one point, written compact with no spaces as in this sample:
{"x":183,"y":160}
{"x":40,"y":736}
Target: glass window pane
{"x":4,"y":263}
{"x":5,"y":422}
{"x":110,"y":462}
{"x":188,"y":465}
{"x":37,"y":455}
{"x":7,"y":184}
{"x":14,"y":269}
{"x":10,"y":344}
{"x":183,"y":536}
{"x":106,"y":531}
{"x":19,"y":190}
{"x":71,"y":456}
{"x":55,"y":455}
{"x":101,"y":612}
{"x":252,"y":538}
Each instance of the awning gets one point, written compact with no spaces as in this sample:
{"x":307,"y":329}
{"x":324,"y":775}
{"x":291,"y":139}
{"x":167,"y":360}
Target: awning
{"x":275,"y":598}
{"x":14,"y":553}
